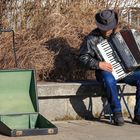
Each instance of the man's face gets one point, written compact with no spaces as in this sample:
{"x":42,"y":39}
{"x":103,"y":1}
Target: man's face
{"x":107,"y":33}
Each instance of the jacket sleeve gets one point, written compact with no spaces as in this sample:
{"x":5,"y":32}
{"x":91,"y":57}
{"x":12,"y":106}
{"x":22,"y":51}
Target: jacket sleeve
{"x":88,"y":57}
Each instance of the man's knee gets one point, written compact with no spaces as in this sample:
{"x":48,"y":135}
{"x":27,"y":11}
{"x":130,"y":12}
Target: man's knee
{"x":110,"y":80}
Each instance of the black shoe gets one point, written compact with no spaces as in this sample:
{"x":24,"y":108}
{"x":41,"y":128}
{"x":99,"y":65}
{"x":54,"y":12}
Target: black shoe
{"x":118,"y":119}
{"x":137,"y":119}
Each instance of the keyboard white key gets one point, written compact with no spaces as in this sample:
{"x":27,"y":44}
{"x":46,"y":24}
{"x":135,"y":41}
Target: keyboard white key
{"x":108,"y":55}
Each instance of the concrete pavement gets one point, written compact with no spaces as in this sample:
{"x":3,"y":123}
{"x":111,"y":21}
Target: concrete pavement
{"x":87,"y":130}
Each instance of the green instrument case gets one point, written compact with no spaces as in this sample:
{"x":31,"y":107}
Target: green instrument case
{"x":19,"y":111}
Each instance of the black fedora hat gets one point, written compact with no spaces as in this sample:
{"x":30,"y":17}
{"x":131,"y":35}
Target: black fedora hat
{"x":106,"y":19}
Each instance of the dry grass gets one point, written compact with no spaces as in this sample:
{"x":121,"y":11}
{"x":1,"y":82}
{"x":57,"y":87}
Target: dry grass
{"x":48,"y":38}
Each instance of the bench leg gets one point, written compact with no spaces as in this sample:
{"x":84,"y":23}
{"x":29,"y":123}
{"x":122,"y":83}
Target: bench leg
{"x":103,"y":111}
{"x":122,"y":96}
{"x":121,"y":90}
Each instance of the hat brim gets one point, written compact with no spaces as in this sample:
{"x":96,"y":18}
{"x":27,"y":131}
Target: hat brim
{"x":110,"y":26}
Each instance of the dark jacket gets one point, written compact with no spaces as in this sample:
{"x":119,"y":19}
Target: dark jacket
{"x":89,"y":54}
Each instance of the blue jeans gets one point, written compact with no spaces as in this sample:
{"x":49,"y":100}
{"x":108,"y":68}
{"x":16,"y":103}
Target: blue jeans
{"x":111,"y":89}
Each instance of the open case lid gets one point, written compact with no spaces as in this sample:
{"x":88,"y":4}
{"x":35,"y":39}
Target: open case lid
{"x":18,"y":92}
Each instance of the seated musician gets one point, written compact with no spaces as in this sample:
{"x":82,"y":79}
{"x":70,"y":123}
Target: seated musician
{"x":107,"y":21}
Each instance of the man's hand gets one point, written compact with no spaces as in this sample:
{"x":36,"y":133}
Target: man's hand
{"x":105,"y":66}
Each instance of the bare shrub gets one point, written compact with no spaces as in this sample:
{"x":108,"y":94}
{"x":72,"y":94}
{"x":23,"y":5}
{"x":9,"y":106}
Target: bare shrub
{"x":49,"y":34}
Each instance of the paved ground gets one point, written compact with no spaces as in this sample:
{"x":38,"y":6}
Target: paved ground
{"x":87,"y":130}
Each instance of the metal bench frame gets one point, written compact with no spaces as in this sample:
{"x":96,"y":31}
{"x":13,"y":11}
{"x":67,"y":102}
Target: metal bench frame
{"x":121,"y":87}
